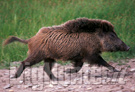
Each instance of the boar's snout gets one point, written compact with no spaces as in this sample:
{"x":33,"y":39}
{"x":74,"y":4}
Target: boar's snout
{"x":127,"y":49}
{"x":124,"y":47}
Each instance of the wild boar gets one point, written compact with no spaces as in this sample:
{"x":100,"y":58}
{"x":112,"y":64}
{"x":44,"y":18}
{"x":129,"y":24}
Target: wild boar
{"x":80,"y":40}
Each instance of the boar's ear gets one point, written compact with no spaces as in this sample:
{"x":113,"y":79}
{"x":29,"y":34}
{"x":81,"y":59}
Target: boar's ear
{"x":106,"y":26}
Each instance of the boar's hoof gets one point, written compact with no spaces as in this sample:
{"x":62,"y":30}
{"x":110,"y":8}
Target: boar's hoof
{"x":55,"y":79}
{"x":114,"y":70}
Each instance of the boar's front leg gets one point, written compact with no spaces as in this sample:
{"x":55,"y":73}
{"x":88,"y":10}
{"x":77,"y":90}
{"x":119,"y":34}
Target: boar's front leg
{"x":77,"y":66}
{"x":49,"y":63}
{"x":102,"y":62}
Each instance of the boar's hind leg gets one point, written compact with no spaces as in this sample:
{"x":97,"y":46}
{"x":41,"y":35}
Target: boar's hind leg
{"x":77,"y":66}
{"x":26,"y":63}
{"x":48,"y":67}
{"x":19,"y":71}
{"x":104,"y":63}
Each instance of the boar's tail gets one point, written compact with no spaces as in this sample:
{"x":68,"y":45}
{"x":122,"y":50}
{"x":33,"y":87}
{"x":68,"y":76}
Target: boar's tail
{"x":13,"y":38}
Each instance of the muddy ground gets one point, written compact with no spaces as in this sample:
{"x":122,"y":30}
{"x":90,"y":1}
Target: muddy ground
{"x":88,"y":79}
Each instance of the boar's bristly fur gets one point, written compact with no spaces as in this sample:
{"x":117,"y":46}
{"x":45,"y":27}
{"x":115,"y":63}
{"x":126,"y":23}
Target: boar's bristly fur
{"x":87,"y":25}
{"x":81,"y":40}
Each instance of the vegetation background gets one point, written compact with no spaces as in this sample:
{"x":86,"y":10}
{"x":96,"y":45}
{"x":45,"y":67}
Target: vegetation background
{"x":23,"y":18}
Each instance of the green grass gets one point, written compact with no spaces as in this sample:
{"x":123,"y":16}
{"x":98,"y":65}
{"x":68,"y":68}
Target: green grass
{"x":23,"y":18}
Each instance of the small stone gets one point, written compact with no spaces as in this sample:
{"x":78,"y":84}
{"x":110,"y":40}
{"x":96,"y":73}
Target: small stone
{"x":26,"y":72}
{"x":132,"y":70}
{"x":35,"y":87}
{"x":96,"y":83}
{"x":11,"y":76}
{"x":50,"y":85}
{"x":11,"y":90}
{"x":67,"y":82}
{"x":133,"y":89}
{"x":87,"y":71}
{"x":21,"y":82}
{"x":114,"y":80}
{"x":7,"y":86}
{"x":89,"y":88}
{"x":85,"y":77}
{"x":65,"y":85}
{"x":28,"y":86}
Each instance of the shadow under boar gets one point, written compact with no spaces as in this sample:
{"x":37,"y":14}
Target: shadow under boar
{"x":81,"y":40}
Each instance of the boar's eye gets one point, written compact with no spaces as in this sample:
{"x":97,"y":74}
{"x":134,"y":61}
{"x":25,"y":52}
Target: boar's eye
{"x":112,"y":35}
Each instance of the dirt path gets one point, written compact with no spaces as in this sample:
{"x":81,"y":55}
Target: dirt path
{"x":88,"y":79}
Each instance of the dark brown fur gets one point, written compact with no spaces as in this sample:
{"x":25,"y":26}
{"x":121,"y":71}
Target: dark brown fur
{"x":87,"y":25}
{"x":80,"y":40}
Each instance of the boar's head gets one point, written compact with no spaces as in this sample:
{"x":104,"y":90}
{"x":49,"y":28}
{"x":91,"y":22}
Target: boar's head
{"x":109,"y":39}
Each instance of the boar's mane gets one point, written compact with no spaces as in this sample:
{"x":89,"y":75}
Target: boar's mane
{"x":87,"y":25}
